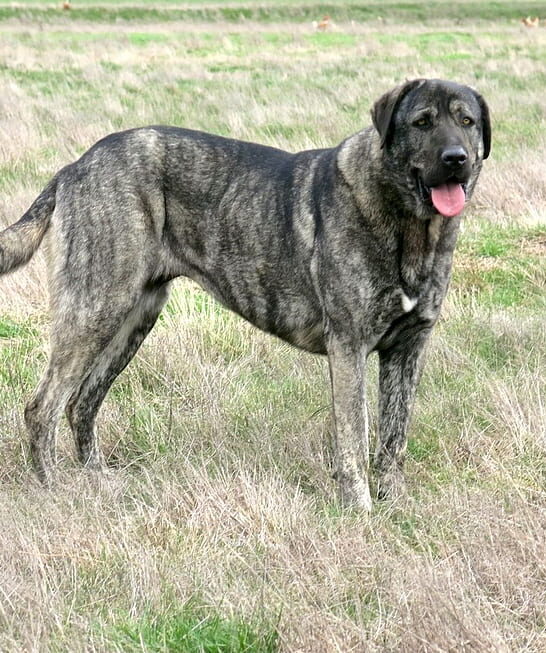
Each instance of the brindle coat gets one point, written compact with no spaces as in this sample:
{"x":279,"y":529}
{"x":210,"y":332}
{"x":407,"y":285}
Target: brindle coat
{"x":338,"y":251}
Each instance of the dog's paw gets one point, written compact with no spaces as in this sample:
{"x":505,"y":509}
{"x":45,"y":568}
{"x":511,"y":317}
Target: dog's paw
{"x":356,"y":494}
{"x":102,"y":477}
{"x":95,"y":462}
{"x":391,"y":486}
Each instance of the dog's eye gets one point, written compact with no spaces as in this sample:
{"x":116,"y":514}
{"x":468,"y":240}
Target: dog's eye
{"x":422,"y":122}
{"x":466,"y":121}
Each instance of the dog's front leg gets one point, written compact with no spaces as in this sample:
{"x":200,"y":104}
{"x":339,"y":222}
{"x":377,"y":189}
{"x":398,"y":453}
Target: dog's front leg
{"x":347,"y":373}
{"x":399,"y":373}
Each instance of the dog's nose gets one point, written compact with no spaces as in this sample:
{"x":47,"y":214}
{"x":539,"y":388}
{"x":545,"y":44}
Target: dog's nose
{"x":454,"y":156}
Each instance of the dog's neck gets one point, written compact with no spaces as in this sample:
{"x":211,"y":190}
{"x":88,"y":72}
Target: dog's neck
{"x":423,"y":248}
{"x":417,"y":245}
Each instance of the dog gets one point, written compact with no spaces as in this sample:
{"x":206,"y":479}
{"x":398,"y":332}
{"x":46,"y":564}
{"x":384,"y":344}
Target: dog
{"x":342,"y":251}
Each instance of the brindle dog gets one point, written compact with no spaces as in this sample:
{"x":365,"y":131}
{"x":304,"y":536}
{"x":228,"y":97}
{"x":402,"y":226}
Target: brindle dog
{"x":340,"y":251}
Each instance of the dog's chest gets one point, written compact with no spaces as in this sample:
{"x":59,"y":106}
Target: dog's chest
{"x":423,"y":301}
{"x":392,"y":304}
{"x":395,"y":311}
{"x":424,"y":263}
{"x":418,"y":284}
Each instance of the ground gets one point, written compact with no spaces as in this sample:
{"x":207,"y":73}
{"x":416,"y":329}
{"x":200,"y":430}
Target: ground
{"x":219,"y":528}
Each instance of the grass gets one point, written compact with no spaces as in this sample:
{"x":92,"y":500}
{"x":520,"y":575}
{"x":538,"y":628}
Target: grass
{"x":285,"y":10}
{"x":503,"y":267}
{"x":219,"y":528}
{"x":192,"y":630}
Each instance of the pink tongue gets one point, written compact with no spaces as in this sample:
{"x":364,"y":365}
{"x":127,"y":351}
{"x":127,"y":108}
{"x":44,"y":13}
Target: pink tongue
{"x":448,"y":199}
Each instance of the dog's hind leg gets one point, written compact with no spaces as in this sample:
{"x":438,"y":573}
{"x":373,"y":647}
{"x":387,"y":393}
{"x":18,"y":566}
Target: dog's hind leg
{"x":89,"y":341}
{"x":85,"y":402}
{"x":74,"y":349}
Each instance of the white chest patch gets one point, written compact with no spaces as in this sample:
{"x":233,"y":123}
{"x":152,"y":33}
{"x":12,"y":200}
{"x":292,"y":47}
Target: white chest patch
{"x":407,"y":303}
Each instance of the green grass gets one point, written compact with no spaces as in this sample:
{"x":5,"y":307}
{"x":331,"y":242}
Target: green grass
{"x":502,"y":267}
{"x":193,"y":630}
{"x":20,"y":330}
{"x":143,"y":39}
{"x":279,"y":11}
{"x":280,"y":68}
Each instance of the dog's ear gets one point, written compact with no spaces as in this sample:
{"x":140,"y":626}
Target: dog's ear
{"x":486,"y":124}
{"x":384,"y":109}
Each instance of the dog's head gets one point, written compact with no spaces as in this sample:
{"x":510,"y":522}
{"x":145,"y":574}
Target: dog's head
{"x":434,"y":136}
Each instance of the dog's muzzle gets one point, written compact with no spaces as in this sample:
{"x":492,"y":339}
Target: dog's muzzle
{"x":446,"y":193}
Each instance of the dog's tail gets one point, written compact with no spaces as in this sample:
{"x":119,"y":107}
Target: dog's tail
{"x":19,"y":242}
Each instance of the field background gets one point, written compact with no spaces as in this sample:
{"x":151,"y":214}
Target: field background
{"x":219,"y":529}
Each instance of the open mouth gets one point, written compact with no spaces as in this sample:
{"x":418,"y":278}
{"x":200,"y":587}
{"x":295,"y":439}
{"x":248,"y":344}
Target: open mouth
{"x":447,"y":198}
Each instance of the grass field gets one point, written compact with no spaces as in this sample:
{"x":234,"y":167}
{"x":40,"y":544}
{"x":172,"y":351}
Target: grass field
{"x":219,"y":529}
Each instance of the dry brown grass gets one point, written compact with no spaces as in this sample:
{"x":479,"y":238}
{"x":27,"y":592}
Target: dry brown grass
{"x":219,"y":435}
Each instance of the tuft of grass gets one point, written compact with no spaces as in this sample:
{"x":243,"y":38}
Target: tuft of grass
{"x":193,"y":629}
{"x":11,"y":329}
